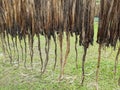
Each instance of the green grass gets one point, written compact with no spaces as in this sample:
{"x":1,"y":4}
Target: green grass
{"x":14,"y":78}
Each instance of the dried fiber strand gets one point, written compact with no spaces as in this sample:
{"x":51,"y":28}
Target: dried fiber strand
{"x":16,"y":45}
{"x":116,"y":61}
{"x":54,"y":39}
{"x":25,"y":46}
{"x":83,"y":65}
{"x":47,"y":47}
{"x":76,"y":59}
{"x":67,"y":52}
{"x":61,"y":54}
{"x":40,"y":53}
{"x":20,"y":42}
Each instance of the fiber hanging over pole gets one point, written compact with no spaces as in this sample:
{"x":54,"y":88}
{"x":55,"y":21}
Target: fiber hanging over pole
{"x":22,"y":20}
{"x":109,"y":27}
